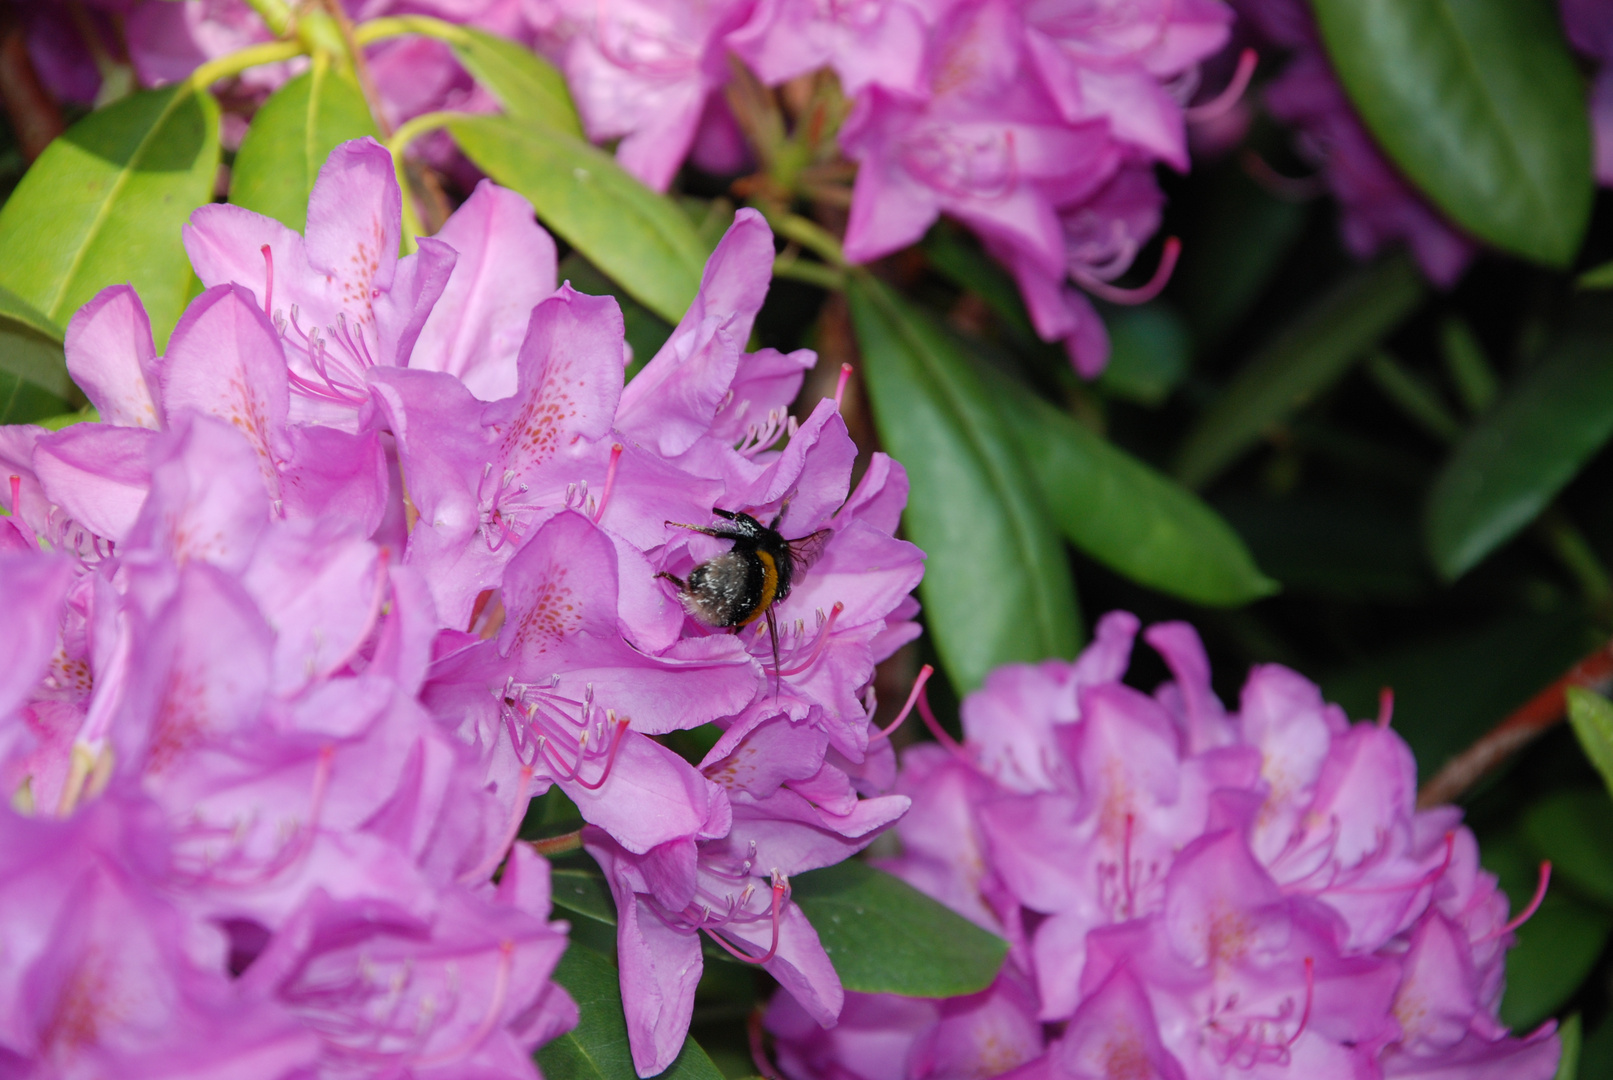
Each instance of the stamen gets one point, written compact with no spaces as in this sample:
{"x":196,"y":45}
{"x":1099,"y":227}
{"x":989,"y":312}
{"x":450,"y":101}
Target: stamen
{"x":495,"y":1011}
{"x":1223,"y":102}
{"x":1527,"y":913}
{"x":268,"y":276}
{"x":1125,"y":867}
{"x":817,"y":646}
{"x":1141,"y":295}
{"x":1294,"y":189}
{"x":572,"y":774}
{"x":482,"y":869}
{"x":1386,"y":706}
{"x":610,"y":481}
{"x":918,"y":688}
{"x":758,"y":1050}
{"x":1310,"y":995}
{"x":16,"y":493}
{"x":781,"y":884}
{"x":840,"y":386}
{"x":938,"y":731}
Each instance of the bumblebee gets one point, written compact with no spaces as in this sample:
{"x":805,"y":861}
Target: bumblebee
{"x":744,"y":583}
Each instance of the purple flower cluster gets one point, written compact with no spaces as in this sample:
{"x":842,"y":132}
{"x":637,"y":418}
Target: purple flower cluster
{"x":1378,"y":207}
{"x":1187,"y":892}
{"x":368,"y":558}
{"x":1035,"y":122}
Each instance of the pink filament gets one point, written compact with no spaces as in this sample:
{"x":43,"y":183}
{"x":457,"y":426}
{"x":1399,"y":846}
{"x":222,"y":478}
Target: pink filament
{"x":1527,"y":913}
{"x":937,"y":730}
{"x":1310,"y":994}
{"x":840,"y":386}
{"x":912,"y":698}
{"x":1125,"y":869}
{"x":780,"y":884}
{"x":1386,"y":706}
{"x":574,"y":773}
{"x":610,"y":481}
{"x":495,"y":1011}
{"x":1226,"y":99}
{"x":817,"y":646}
{"x":268,"y":287}
{"x":16,"y":492}
{"x":496,"y":856}
{"x":1142,"y":294}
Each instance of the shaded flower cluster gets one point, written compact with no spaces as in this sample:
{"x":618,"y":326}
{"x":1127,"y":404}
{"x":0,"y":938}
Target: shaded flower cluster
{"x":367,"y":558}
{"x":1187,"y":892}
{"x":1037,"y":124}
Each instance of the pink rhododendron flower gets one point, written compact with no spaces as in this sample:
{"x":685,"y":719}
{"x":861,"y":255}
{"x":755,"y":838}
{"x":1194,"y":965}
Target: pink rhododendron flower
{"x":371,"y":556}
{"x":1187,"y":892}
{"x":1379,"y":207}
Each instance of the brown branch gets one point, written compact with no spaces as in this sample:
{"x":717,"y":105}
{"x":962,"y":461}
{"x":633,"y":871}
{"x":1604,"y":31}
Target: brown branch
{"x":1531,"y":720}
{"x":33,"y":113}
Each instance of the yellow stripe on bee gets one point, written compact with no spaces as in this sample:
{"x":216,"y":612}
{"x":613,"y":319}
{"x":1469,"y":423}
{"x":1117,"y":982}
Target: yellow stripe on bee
{"x":769,"y":588}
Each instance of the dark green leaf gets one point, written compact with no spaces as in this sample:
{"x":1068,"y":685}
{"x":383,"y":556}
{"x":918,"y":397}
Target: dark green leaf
{"x":886,"y":937}
{"x":1572,"y":1035}
{"x":640,"y":239}
{"x":1513,"y":462}
{"x":290,"y":138}
{"x":596,"y":1049}
{"x":1306,"y":357}
{"x":968,"y":267}
{"x":1600,"y":277}
{"x":528,"y":86}
{"x":14,"y":309}
{"x":33,"y":371}
{"x":1343,"y":547}
{"x":1149,"y":351}
{"x":1570,"y":829}
{"x":1124,"y":514}
{"x":997,"y":585}
{"x":1591,"y":716}
{"x":1556,"y":948}
{"x":583,"y":892}
{"x":104,"y":204}
{"x":1480,"y":104}
{"x":1451,"y":690}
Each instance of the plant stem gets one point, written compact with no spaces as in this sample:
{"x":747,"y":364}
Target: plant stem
{"x":825,"y":277}
{"x":277,"y":15}
{"x":408,"y":132}
{"x":558,"y":845}
{"x":270,"y":52}
{"x":397,"y":25}
{"x":1574,"y":551}
{"x":809,"y":234}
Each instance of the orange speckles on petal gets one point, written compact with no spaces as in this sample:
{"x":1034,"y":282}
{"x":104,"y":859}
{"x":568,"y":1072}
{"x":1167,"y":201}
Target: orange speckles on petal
{"x":553,"y":614}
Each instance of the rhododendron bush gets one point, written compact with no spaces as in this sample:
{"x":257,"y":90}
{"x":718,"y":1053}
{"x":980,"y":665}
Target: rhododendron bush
{"x":541,"y":538}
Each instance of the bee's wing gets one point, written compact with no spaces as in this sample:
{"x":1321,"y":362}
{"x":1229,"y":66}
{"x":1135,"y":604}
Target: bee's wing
{"x":806,"y":551}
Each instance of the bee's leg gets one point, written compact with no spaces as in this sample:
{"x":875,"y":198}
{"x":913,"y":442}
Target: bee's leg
{"x":682,"y":585}
{"x":772,"y":634}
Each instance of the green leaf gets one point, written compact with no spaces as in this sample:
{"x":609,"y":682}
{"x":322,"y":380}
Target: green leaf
{"x":997,"y":584}
{"x":1556,"y":948}
{"x":1480,"y":104}
{"x":1600,"y":277}
{"x":640,"y":239}
{"x":290,"y":138}
{"x":1149,"y":352}
{"x":1591,"y":716}
{"x":1343,"y":546}
{"x":528,"y":86}
{"x":104,"y":204}
{"x":1306,"y":357}
{"x":1570,"y":829}
{"x":1526,"y":448}
{"x":1572,"y":1035}
{"x":1129,"y":517}
{"x":583,"y":892}
{"x":596,"y":1049}
{"x":33,"y":371}
{"x":886,"y":937}
{"x":14,"y":309}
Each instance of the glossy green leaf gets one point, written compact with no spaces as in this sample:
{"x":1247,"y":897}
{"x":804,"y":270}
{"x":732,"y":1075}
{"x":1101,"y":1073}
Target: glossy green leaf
{"x":1591,"y":716}
{"x":1570,"y":829}
{"x":33,"y":371}
{"x":290,"y":138}
{"x":638,"y":238}
{"x":1556,"y":948}
{"x":1149,"y":352}
{"x":1306,"y":357}
{"x":1572,"y":1035}
{"x":1600,"y":277}
{"x":14,"y":309}
{"x":886,"y":937}
{"x":528,"y":86}
{"x":104,"y":204}
{"x":997,"y":584}
{"x":583,"y":892}
{"x":1480,"y":104}
{"x":1526,"y":448}
{"x":596,"y":1049}
{"x":1129,"y":517}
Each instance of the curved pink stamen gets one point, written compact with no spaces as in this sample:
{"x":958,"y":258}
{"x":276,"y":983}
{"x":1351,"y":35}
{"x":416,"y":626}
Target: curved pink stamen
{"x":1310,"y":995}
{"x":817,"y":646}
{"x":1527,"y":913}
{"x":517,"y":812}
{"x":1288,"y":188}
{"x":573,"y":774}
{"x":268,"y":276}
{"x":912,"y":698}
{"x":937,"y":730}
{"x":840,"y":386}
{"x":1226,"y":99}
{"x":495,"y":1012}
{"x":1141,"y":295}
{"x":781,"y":883}
{"x":1386,"y":706}
{"x":610,"y":481}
